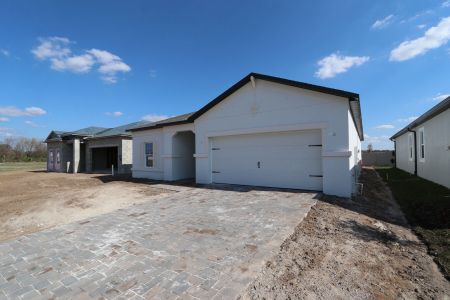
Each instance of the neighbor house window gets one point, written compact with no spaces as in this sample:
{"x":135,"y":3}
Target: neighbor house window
{"x":410,"y":146}
{"x":58,"y":158}
{"x":149,"y":159}
{"x":422,"y":144}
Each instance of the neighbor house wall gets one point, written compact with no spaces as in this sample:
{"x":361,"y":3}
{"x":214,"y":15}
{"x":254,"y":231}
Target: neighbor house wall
{"x":402,"y":158}
{"x":272,"y":105}
{"x":436,"y":165}
{"x":122,"y":166}
{"x":127,"y":155}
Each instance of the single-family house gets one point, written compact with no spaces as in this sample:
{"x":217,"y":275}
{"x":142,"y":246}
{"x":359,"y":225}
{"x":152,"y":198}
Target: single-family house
{"x":423,"y":146}
{"x":91,"y":149}
{"x":262,"y":131}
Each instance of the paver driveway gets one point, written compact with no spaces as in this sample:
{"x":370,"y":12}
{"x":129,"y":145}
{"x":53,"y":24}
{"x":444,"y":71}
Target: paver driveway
{"x":194,"y":243}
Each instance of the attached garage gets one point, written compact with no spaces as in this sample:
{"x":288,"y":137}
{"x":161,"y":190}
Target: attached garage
{"x":275,"y":159}
{"x":263,"y":131}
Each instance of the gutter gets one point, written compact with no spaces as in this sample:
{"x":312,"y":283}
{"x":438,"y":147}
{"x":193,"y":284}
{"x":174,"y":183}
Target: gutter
{"x":415,"y":150}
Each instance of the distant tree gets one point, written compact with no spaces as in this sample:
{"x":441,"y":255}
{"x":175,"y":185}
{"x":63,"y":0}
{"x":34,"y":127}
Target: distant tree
{"x":23,"y":149}
{"x":370,"y":147}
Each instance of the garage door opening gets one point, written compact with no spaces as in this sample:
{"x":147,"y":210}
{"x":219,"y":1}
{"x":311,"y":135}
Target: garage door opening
{"x":291,"y":159}
{"x":104,"y":158}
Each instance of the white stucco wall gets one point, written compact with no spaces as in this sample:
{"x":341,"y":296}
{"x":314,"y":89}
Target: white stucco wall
{"x":162,"y":139}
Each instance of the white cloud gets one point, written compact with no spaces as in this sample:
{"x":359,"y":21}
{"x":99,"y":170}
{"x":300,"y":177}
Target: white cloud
{"x":383,"y":23}
{"x":440,"y":97}
{"x":2,"y":119}
{"x":75,"y":64}
{"x":154,"y":118}
{"x":12,"y":111}
{"x":446,"y":3}
{"x":385,"y":126}
{"x":153,"y":73}
{"x":408,"y":119}
{"x":114,"y":114}
{"x":433,"y":38}
{"x":4,"y":52}
{"x":335,"y":64}
{"x":421,"y":26}
{"x":57,"y":51}
{"x":33,"y":124}
{"x":110,"y":64}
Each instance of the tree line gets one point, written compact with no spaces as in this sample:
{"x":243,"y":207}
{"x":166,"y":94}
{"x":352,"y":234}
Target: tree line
{"x":22,"y":149}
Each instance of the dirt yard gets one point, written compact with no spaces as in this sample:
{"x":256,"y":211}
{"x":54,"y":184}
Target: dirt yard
{"x":360,"y":249}
{"x":31,"y":201}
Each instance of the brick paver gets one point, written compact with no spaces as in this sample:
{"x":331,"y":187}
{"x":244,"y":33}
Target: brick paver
{"x":206,"y":243}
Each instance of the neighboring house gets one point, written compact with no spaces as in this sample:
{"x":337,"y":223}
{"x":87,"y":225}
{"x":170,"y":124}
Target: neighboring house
{"x":92,"y":149}
{"x":263,"y":131}
{"x":423,"y":147}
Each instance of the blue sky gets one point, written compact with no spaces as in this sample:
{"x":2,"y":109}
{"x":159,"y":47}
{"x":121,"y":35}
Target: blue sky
{"x":67,"y":65}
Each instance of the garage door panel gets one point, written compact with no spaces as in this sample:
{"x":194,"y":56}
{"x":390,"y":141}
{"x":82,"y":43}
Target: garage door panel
{"x":286,"y":159}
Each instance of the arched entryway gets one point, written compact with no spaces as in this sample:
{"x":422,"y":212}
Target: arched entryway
{"x":183,"y":161}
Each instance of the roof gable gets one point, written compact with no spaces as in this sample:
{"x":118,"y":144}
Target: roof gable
{"x":353,"y":98}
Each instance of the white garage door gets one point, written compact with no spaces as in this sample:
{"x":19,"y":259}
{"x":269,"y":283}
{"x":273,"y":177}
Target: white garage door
{"x":281,"y":159}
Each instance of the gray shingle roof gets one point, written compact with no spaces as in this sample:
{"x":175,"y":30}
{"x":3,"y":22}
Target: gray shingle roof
{"x":93,"y":132}
{"x":180,"y":118}
{"x":120,"y":130}
{"x":434,"y":111}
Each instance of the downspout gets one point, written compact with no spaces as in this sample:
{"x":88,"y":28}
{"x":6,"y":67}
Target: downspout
{"x":415,"y":151}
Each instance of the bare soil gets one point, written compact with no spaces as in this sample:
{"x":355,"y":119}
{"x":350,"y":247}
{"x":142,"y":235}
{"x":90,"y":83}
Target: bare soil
{"x":359,"y":249}
{"x":31,"y":201}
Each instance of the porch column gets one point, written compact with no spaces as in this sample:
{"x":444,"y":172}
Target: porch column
{"x":76,"y":156}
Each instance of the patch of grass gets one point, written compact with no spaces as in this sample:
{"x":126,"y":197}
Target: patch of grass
{"x":22,"y":166}
{"x":426,"y":205}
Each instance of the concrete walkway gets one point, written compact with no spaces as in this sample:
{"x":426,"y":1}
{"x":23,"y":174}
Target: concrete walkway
{"x":206,"y":243}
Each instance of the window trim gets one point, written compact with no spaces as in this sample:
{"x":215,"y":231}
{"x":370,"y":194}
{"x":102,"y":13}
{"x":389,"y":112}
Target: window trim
{"x":410,"y":146}
{"x":146,"y":155}
{"x":422,"y":145}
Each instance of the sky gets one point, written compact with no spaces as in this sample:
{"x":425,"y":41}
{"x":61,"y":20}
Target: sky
{"x":65,"y":65}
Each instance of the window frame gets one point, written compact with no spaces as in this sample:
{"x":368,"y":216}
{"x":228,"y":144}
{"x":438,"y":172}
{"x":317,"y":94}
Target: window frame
{"x":147,"y":155}
{"x":422,"y":145}
{"x":410,"y":146}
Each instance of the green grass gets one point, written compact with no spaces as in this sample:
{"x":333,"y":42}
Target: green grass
{"x":426,"y":205}
{"x":22,"y":166}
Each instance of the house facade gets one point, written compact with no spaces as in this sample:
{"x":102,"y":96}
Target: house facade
{"x":91,"y":149}
{"x":263,"y":131}
{"x":423,"y":147}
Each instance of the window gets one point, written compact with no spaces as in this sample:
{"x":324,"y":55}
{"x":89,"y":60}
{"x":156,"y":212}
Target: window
{"x":58,"y":158}
{"x":410,"y":146}
{"x":421,"y":144}
{"x":149,"y":159}
{"x":50,"y":156}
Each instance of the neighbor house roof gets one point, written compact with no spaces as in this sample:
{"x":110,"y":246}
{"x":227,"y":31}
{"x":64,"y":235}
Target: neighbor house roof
{"x":434,"y":111}
{"x":355,"y":108}
{"x":94,"y":132}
